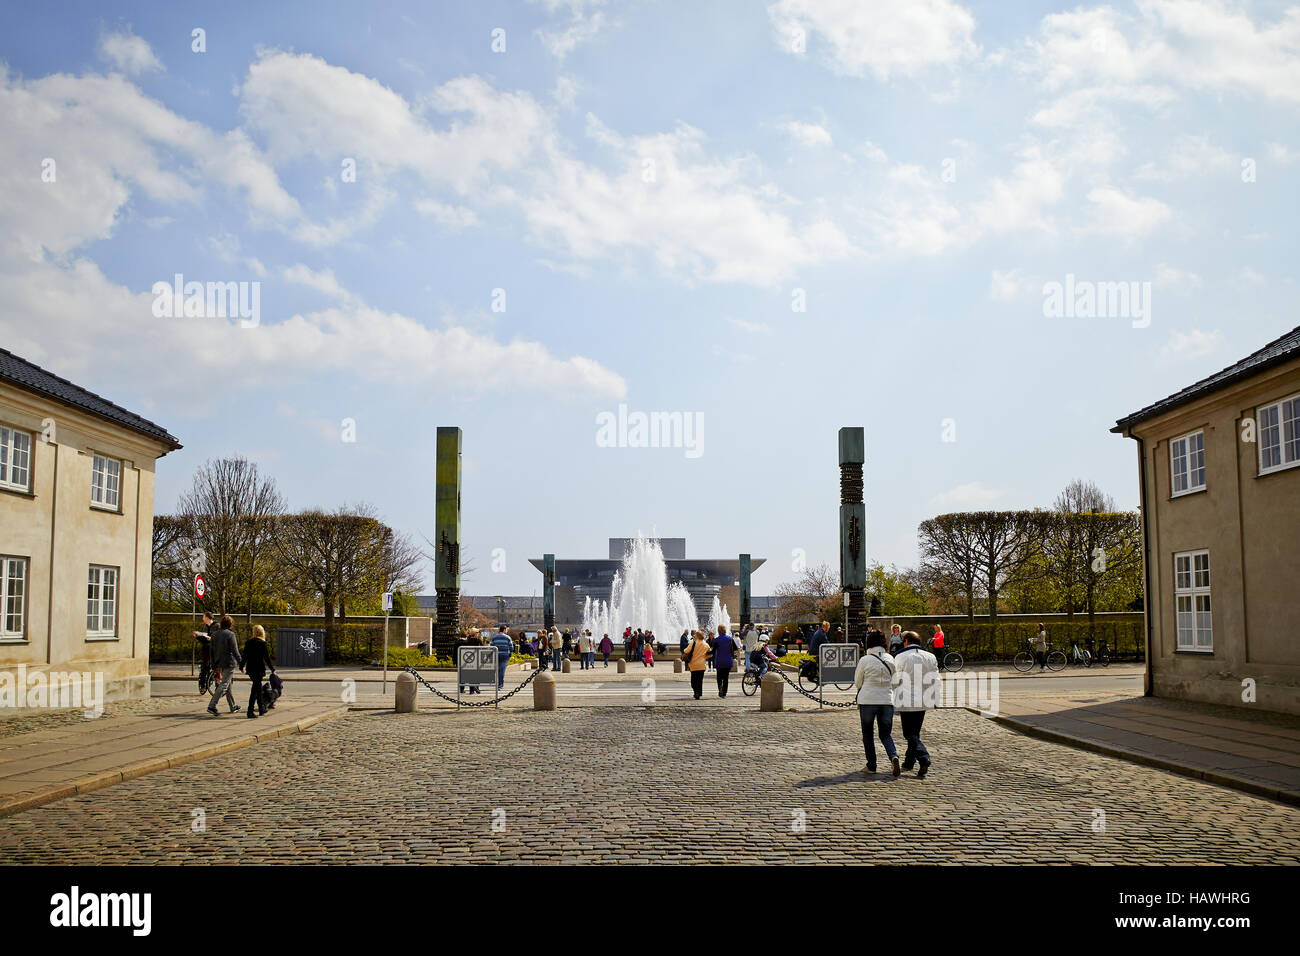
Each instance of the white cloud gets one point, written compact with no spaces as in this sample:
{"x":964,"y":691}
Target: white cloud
{"x":973,"y":496}
{"x":880,"y":37}
{"x":1011,"y":285}
{"x":1191,"y":156}
{"x":1115,"y":213}
{"x":453,"y":217}
{"x":873,"y":152}
{"x":585,"y":20}
{"x":1206,"y":45}
{"x":128,"y":52}
{"x":1179,"y":280}
{"x":807,"y":134}
{"x":323,"y":281}
{"x":1281,"y":154}
{"x":750,"y":328}
{"x":1195,"y":344}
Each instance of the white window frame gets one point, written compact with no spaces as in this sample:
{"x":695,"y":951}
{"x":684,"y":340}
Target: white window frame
{"x":7,"y":564}
{"x":1186,"y":457}
{"x":97,"y":581}
{"x":1193,"y":586}
{"x":9,"y":436}
{"x":105,"y":484}
{"x":1283,"y":426}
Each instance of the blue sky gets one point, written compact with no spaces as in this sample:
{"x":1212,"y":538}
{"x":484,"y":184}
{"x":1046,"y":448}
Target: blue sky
{"x":652,"y":186}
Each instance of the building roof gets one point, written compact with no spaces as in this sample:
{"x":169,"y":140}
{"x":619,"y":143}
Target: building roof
{"x":32,"y":378}
{"x":1275,"y":353}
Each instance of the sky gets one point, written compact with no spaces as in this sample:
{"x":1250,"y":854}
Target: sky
{"x":774,"y":220}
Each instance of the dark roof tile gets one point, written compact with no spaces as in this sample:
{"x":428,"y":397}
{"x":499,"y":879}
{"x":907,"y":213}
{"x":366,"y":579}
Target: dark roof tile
{"x":33,"y":378}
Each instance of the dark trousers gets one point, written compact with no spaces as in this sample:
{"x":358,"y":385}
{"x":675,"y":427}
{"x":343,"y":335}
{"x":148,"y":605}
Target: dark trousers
{"x":697,"y":683}
{"x":883,"y":716}
{"x":255,"y":696}
{"x":724,"y":676}
{"x":912,"y":720}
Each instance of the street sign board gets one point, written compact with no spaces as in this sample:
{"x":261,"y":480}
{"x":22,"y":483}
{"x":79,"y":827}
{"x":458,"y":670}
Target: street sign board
{"x":837,"y":663}
{"x":388,"y":600}
{"x":200,"y":587}
{"x":476,"y":665}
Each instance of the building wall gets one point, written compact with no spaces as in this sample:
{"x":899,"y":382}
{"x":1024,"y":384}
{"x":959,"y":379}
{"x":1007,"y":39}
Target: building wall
{"x":61,"y":535}
{"x":1250,"y":524}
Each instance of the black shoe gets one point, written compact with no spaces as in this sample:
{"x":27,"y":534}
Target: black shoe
{"x":925,"y":768}
{"x":897,"y":769}
{"x":213,"y":712}
{"x":234,"y":710}
{"x":252,"y":716}
{"x":909,"y":763}
{"x":871,"y":768}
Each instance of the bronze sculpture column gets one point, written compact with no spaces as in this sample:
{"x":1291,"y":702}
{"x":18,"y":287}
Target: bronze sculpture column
{"x":853,"y":532}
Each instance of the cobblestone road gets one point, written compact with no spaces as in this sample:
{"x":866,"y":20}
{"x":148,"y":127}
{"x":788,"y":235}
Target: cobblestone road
{"x":668,"y":783}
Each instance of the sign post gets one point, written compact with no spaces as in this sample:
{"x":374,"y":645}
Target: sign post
{"x":388,"y":609}
{"x":475,"y":666}
{"x":836,"y":664}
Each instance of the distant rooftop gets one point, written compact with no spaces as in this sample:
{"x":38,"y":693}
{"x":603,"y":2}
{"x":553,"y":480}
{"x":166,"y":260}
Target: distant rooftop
{"x":1275,"y":353}
{"x":32,"y":378}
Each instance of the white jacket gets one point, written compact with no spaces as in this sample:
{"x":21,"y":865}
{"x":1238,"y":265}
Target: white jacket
{"x":915,"y":686}
{"x":874,"y":677}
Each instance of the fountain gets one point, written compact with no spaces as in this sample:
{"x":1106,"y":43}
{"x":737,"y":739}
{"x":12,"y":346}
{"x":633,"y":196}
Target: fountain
{"x":642,"y":598}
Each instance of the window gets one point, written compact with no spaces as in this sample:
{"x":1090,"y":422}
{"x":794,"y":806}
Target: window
{"x":13,"y":597}
{"x":15,"y":459}
{"x":1187,"y":463}
{"x":1192,"y":601}
{"x":105,"y":482}
{"x":101,"y":602}
{"x":1279,"y":434}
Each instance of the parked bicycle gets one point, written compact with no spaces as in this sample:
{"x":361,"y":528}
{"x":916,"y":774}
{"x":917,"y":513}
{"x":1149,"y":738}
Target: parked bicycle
{"x":1080,"y":657}
{"x":809,"y":679}
{"x":1026,"y":659}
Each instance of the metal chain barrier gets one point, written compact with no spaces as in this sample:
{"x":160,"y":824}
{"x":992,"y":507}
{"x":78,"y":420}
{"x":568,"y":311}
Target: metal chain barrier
{"x":820,"y":700}
{"x":465,"y":703}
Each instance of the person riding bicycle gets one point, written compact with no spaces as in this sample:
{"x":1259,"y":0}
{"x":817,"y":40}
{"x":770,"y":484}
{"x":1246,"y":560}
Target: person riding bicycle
{"x":759,"y":658}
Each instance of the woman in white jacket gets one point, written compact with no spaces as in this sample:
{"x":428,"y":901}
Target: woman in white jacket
{"x":874,"y":680}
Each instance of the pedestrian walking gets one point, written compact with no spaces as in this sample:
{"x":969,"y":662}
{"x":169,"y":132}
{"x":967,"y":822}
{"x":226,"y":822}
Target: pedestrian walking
{"x":914,"y":694}
{"x":225,"y":658}
{"x":1040,"y":648}
{"x":557,"y":649}
{"x":505,"y":647}
{"x":874,"y":681}
{"x":895,"y":639}
{"x":606,"y":648}
{"x":584,"y":650}
{"x":724,"y":656}
{"x":257,"y":661}
{"x":936,"y":644}
{"x":695,"y":655}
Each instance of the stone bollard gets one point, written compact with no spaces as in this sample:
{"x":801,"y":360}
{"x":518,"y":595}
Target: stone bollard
{"x":404,"y":694}
{"x":677,"y":666}
{"x":622,"y":666}
{"x":544,"y":691}
{"x":771,"y":693}
{"x":566,"y":665}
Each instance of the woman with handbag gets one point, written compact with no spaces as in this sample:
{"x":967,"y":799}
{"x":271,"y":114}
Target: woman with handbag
{"x":696,"y":656}
{"x":874,"y":680}
{"x":257,"y":661}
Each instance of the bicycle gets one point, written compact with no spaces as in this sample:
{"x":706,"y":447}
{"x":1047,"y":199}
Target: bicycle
{"x":1077,"y":656}
{"x":1026,"y":659}
{"x":809,"y":679}
{"x":753,"y":678}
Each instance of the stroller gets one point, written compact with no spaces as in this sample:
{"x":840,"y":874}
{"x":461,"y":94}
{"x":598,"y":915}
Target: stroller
{"x":272,"y":688}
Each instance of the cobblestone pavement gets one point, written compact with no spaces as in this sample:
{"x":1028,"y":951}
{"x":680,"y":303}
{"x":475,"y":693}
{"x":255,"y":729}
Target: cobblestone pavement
{"x":17,"y":724}
{"x":663,"y":784}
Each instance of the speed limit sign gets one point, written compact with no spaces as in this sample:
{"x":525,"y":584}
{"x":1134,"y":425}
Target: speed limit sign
{"x":200,"y":587}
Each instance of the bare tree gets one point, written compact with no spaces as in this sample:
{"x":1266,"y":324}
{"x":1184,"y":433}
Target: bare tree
{"x":810,"y":595}
{"x":231,"y":511}
{"x":1004,"y":545}
{"x":951,"y":555}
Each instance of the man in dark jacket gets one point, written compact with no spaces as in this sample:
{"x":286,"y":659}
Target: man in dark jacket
{"x":257,"y":661}
{"x":225,"y":658}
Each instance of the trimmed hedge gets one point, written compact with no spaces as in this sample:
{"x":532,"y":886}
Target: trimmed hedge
{"x":170,"y":639}
{"x":983,"y":641}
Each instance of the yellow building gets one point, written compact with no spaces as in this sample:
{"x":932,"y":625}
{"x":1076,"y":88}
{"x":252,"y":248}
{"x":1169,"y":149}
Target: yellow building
{"x":76,"y":530}
{"x":1219,"y":465}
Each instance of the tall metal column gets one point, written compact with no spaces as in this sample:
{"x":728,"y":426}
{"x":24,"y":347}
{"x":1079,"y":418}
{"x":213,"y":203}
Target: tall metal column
{"x":446,"y":574}
{"x":744,"y":592}
{"x":548,"y":591}
{"x":853,"y":531}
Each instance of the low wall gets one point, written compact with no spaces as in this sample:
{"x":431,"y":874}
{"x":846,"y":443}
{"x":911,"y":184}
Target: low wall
{"x":358,"y":640}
